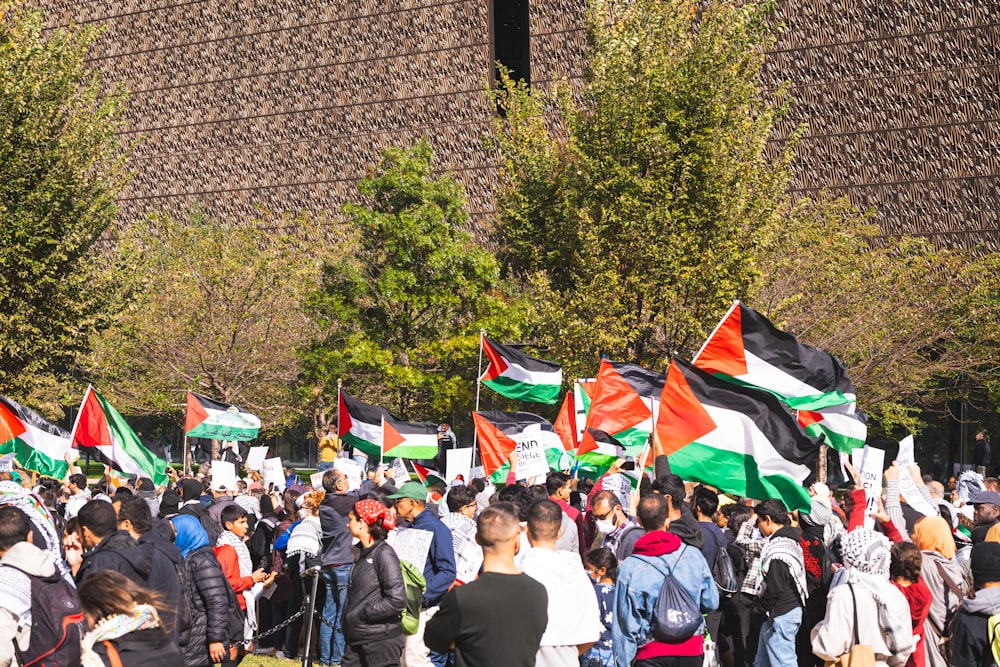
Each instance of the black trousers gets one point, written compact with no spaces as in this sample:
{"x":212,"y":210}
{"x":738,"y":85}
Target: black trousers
{"x":381,"y":653}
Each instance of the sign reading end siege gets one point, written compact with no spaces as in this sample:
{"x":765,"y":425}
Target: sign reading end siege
{"x":531,"y":459}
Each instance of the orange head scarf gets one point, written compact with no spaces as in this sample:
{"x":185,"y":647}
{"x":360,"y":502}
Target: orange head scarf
{"x":932,"y":533}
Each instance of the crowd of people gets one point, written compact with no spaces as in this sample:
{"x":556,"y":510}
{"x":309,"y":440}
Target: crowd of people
{"x":554,"y":572}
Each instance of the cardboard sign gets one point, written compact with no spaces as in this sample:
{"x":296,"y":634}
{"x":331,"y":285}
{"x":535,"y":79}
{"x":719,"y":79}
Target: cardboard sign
{"x":459,"y":462}
{"x":870,"y":463}
{"x":273,"y":473}
{"x":255,"y":459}
{"x":354,"y":472}
{"x":223,"y":476}
{"x":907,"y":485}
{"x":412,"y":545}
{"x":400,"y":473}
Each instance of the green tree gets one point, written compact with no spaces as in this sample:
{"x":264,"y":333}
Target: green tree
{"x":61,"y":169}
{"x":215,"y":308}
{"x":642,"y":195}
{"x":402,"y":311}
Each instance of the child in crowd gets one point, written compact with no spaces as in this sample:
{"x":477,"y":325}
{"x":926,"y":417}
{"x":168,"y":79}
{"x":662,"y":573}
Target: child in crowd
{"x":602,"y":566}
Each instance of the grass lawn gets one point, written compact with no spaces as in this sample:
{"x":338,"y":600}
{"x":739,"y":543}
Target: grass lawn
{"x":264,"y":661}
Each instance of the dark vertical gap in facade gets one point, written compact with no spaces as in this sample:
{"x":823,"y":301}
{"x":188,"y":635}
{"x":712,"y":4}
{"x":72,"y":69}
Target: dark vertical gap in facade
{"x":511,"y":38}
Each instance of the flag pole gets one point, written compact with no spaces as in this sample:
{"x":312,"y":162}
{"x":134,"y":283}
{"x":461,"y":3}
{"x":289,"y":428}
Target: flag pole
{"x":479,"y":383}
{"x":736,"y":304}
{"x":76,"y":425}
{"x":340,"y":385}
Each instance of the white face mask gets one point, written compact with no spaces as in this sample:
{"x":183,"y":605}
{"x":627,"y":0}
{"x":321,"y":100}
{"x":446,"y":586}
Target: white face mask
{"x":304,"y":514}
{"x":605,"y":526}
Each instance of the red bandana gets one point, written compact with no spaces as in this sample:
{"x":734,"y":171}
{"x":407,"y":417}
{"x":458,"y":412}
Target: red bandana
{"x":370,"y":511}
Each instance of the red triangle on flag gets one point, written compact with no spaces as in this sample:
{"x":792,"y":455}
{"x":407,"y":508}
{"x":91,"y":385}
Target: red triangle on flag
{"x":808,"y":418}
{"x":195,"y":413}
{"x":565,"y":425}
{"x":615,"y":405}
{"x":496,"y":365}
{"x":724,"y":351}
{"x":91,"y":424}
{"x":10,"y":425}
{"x":682,"y":419}
{"x":495,"y":446}
{"x":391,"y":438}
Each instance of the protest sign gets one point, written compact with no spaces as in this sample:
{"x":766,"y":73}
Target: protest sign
{"x":458,"y":462}
{"x":273,"y":473}
{"x":223,"y":476}
{"x":477,"y":472}
{"x":400,"y":473}
{"x":7,"y":462}
{"x":907,"y":485}
{"x":352,"y":471}
{"x":316,"y":480}
{"x":255,"y":459}
{"x":531,"y":459}
{"x":870,"y":463}
{"x":412,"y":545}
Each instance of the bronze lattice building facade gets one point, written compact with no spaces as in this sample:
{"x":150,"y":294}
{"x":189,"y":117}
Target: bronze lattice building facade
{"x":283,"y":105}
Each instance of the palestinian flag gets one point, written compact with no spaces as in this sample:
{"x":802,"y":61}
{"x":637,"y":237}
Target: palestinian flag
{"x":218,"y":421}
{"x":623,"y":405}
{"x":36,"y":444}
{"x":565,"y":425}
{"x":598,"y":450}
{"x":513,"y":374}
{"x":428,"y":475}
{"x":409,"y":440}
{"x":499,"y":434}
{"x":101,"y":427}
{"x":738,"y":439}
{"x":360,"y":424}
{"x":747,"y":349}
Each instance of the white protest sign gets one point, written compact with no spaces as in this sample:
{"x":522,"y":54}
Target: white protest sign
{"x":869,"y":462}
{"x":352,"y":471}
{"x":458,"y":462}
{"x":316,"y":480}
{"x":7,"y":462}
{"x":412,"y":545}
{"x":477,"y":472}
{"x":255,"y":459}
{"x":400,"y":473}
{"x":273,"y":473}
{"x":223,"y":476}
{"x":532,"y":442}
{"x":907,"y":485}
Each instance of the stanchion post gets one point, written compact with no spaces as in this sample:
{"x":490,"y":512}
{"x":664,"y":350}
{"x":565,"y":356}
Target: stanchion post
{"x":307,"y":660}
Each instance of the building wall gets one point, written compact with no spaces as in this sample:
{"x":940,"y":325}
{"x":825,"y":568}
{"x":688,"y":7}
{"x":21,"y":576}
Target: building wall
{"x":285,"y":105}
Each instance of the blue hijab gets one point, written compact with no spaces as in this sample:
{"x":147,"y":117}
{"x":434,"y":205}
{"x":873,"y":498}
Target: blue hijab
{"x":190,"y":534}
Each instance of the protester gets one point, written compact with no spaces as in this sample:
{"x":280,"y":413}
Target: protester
{"x":681,"y":521}
{"x":328,"y":448}
{"x":865,"y":608}
{"x":124,"y":625}
{"x":460,"y":521}
{"x":971,"y":636}
{"x":944,"y":578}
{"x":985,"y":515}
{"x":640,"y":578}
{"x":23,"y":566}
{"x":498,"y":619}
{"x":615,"y":530}
{"x":108,"y":548}
{"x":602,"y":567}
{"x":306,"y":540}
{"x":574,"y":618}
{"x":559,"y":485}
{"x":439,"y":569}
{"x":781,"y":591}
{"x":904,"y":570}
{"x":376,"y":595}
{"x":79,"y":495}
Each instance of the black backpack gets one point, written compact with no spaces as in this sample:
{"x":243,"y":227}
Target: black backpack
{"x":56,"y":623}
{"x":676,"y":617}
{"x":723,"y":571}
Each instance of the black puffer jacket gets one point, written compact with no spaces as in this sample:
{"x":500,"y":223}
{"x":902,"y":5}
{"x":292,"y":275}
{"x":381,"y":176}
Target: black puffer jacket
{"x":209,"y":596}
{"x":142,"y":648}
{"x":118,"y":552}
{"x":376,"y":596}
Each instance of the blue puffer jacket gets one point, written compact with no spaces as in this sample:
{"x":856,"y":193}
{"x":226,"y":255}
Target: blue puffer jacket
{"x":638,"y":587}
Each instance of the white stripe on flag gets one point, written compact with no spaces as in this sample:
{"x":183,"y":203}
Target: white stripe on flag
{"x":737,"y":433}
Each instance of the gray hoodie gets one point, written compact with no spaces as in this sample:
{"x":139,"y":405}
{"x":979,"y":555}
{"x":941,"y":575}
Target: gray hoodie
{"x":15,"y":595}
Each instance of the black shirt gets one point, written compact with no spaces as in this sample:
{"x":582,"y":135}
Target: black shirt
{"x":496,"y":621}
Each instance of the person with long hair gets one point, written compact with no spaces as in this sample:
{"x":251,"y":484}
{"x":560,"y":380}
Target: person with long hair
{"x":904,"y":572}
{"x":602,"y":567}
{"x":124,"y":624}
{"x":945,"y":579}
{"x":376,"y":595}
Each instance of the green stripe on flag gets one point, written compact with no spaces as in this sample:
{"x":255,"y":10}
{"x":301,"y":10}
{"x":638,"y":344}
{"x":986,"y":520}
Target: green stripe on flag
{"x":371,"y":449}
{"x":839,"y":441}
{"x":522,"y":391}
{"x":31,"y":459}
{"x":222,"y":432}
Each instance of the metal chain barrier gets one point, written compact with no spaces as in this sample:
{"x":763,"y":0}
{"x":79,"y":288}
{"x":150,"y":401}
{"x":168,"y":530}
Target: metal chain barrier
{"x":281,"y":626}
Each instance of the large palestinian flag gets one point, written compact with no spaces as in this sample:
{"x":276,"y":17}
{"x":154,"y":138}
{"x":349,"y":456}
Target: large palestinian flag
{"x":218,"y":421}
{"x":500,"y":433}
{"x":623,"y":406}
{"x":738,"y":439}
{"x":102,"y":428}
{"x":513,"y":374}
{"x":409,"y":440}
{"x":747,"y":349}
{"x":36,"y":444}
{"x":360,"y":424}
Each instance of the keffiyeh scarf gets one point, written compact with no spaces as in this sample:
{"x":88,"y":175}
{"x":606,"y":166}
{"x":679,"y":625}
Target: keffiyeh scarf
{"x":306,"y":539}
{"x":789,"y":552}
{"x":142,"y":617}
{"x":12,"y":493}
{"x":867,"y":551}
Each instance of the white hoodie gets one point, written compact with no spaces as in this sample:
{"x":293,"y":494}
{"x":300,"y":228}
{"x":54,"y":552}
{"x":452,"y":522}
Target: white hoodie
{"x":15,"y":595}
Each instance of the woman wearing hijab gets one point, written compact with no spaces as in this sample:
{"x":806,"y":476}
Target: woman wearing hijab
{"x":865,"y":605}
{"x":209,"y":594}
{"x":376,"y":594}
{"x":943,"y":576}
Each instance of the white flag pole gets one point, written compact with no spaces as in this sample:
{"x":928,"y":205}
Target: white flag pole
{"x":736,"y":304}
{"x":479,"y":383}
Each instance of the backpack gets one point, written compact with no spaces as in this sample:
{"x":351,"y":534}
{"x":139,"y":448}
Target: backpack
{"x":676,"y":617}
{"x":723,"y":571}
{"x":415,"y":585}
{"x":994,"y":635}
{"x":56,"y":623}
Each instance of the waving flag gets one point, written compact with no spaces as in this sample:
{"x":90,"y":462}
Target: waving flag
{"x":36,"y":444}
{"x":513,"y":374}
{"x":427,"y":475}
{"x":500,"y":433}
{"x":360,"y":424}
{"x":215,"y":420}
{"x":102,"y":428}
{"x":738,"y":439}
{"x":622,"y":405}
{"x":409,"y":440}
{"x":747,"y":349}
